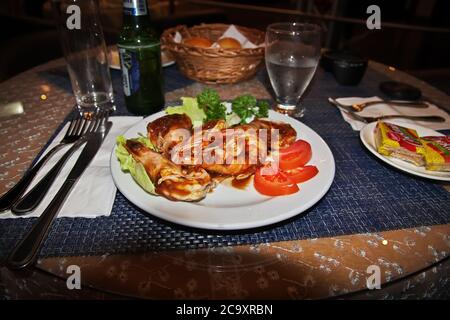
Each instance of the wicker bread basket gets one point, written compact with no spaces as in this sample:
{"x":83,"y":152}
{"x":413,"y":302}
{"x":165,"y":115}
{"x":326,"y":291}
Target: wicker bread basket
{"x":214,"y":65}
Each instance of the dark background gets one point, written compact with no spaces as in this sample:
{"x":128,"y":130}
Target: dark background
{"x":419,"y":43}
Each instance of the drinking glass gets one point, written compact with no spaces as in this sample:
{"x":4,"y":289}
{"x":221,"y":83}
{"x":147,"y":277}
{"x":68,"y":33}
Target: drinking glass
{"x":85,"y":53}
{"x":292,"y":55}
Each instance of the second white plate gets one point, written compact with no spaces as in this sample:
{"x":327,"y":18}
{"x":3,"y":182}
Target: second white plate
{"x":368,"y":139}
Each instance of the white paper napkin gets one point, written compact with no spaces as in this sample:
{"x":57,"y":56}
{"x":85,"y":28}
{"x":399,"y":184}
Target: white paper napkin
{"x":383,"y":109}
{"x":178,"y":37}
{"x":231,"y":32}
{"x":94,"y":193}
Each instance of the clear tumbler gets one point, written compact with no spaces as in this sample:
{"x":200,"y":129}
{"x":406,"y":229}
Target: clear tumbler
{"x":292,"y":55}
{"x":85,"y":53}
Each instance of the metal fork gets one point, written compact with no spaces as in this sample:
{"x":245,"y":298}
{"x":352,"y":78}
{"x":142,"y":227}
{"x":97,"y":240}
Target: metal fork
{"x":75,"y":131}
{"x":357,"y":107}
{"x":34,"y":197}
{"x":372,"y":119}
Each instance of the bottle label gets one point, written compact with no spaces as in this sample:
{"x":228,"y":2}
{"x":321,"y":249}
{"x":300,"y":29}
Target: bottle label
{"x":130,"y":71}
{"x":135,"y":7}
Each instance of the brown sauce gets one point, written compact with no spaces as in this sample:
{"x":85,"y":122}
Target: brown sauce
{"x":218,"y":177}
{"x":241,"y":183}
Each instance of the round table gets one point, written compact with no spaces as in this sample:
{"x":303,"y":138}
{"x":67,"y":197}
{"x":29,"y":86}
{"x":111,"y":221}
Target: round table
{"x":413,"y":261}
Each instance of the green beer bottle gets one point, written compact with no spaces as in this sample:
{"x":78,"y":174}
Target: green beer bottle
{"x":140,"y":59}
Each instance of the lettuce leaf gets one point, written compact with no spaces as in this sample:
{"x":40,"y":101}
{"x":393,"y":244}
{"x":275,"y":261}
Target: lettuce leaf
{"x":135,"y":168}
{"x":191,"y":109}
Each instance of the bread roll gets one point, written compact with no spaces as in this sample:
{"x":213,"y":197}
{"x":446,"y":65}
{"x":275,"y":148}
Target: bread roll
{"x":198,"y":42}
{"x":229,"y":43}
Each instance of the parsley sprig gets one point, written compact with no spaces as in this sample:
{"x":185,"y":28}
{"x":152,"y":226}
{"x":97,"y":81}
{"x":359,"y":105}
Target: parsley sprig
{"x":209,"y":101}
{"x":245,"y":106}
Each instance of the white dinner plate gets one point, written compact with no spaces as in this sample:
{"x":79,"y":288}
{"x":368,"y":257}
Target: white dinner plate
{"x":228,"y":208}
{"x":368,"y":139}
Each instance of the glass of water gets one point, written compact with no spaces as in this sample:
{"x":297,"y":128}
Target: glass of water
{"x":292,"y":55}
{"x":85,"y":53}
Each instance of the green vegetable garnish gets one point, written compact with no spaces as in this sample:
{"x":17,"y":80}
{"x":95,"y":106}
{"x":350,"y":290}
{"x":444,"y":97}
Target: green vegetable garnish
{"x":248,"y":108}
{"x":243,"y":106}
{"x":191,"y":109}
{"x":207,"y":106}
{"x":209,"y":101}
{"x":263,"y":111}
{"x":136,"y":169}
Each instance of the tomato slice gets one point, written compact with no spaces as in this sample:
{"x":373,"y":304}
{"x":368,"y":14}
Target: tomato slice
{"x":296,"y":155}
{"x":302,"y":174}
{"x":297,"y":146}
{"x":274,"y":185}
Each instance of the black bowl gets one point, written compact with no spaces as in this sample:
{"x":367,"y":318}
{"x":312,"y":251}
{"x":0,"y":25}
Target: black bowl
{"x":347,"y":68}
{"x":400,"y":91}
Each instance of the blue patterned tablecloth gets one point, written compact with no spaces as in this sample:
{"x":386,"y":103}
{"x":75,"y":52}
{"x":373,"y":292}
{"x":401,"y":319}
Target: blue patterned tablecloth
{"x":366,"y":196}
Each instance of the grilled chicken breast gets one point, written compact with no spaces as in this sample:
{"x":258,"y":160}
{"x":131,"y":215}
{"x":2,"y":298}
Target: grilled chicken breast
{"x":287,"y":134}
{"x":165,"y":134}
{"x":184,"y":177}
{"x":167,"y":131}
{"x":240,"y":149}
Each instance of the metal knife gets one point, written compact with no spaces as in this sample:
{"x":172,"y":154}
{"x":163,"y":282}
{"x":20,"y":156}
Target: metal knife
{"x":25,"y":253}
{"x":33,"y":198}
{"x":355,"y":116}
